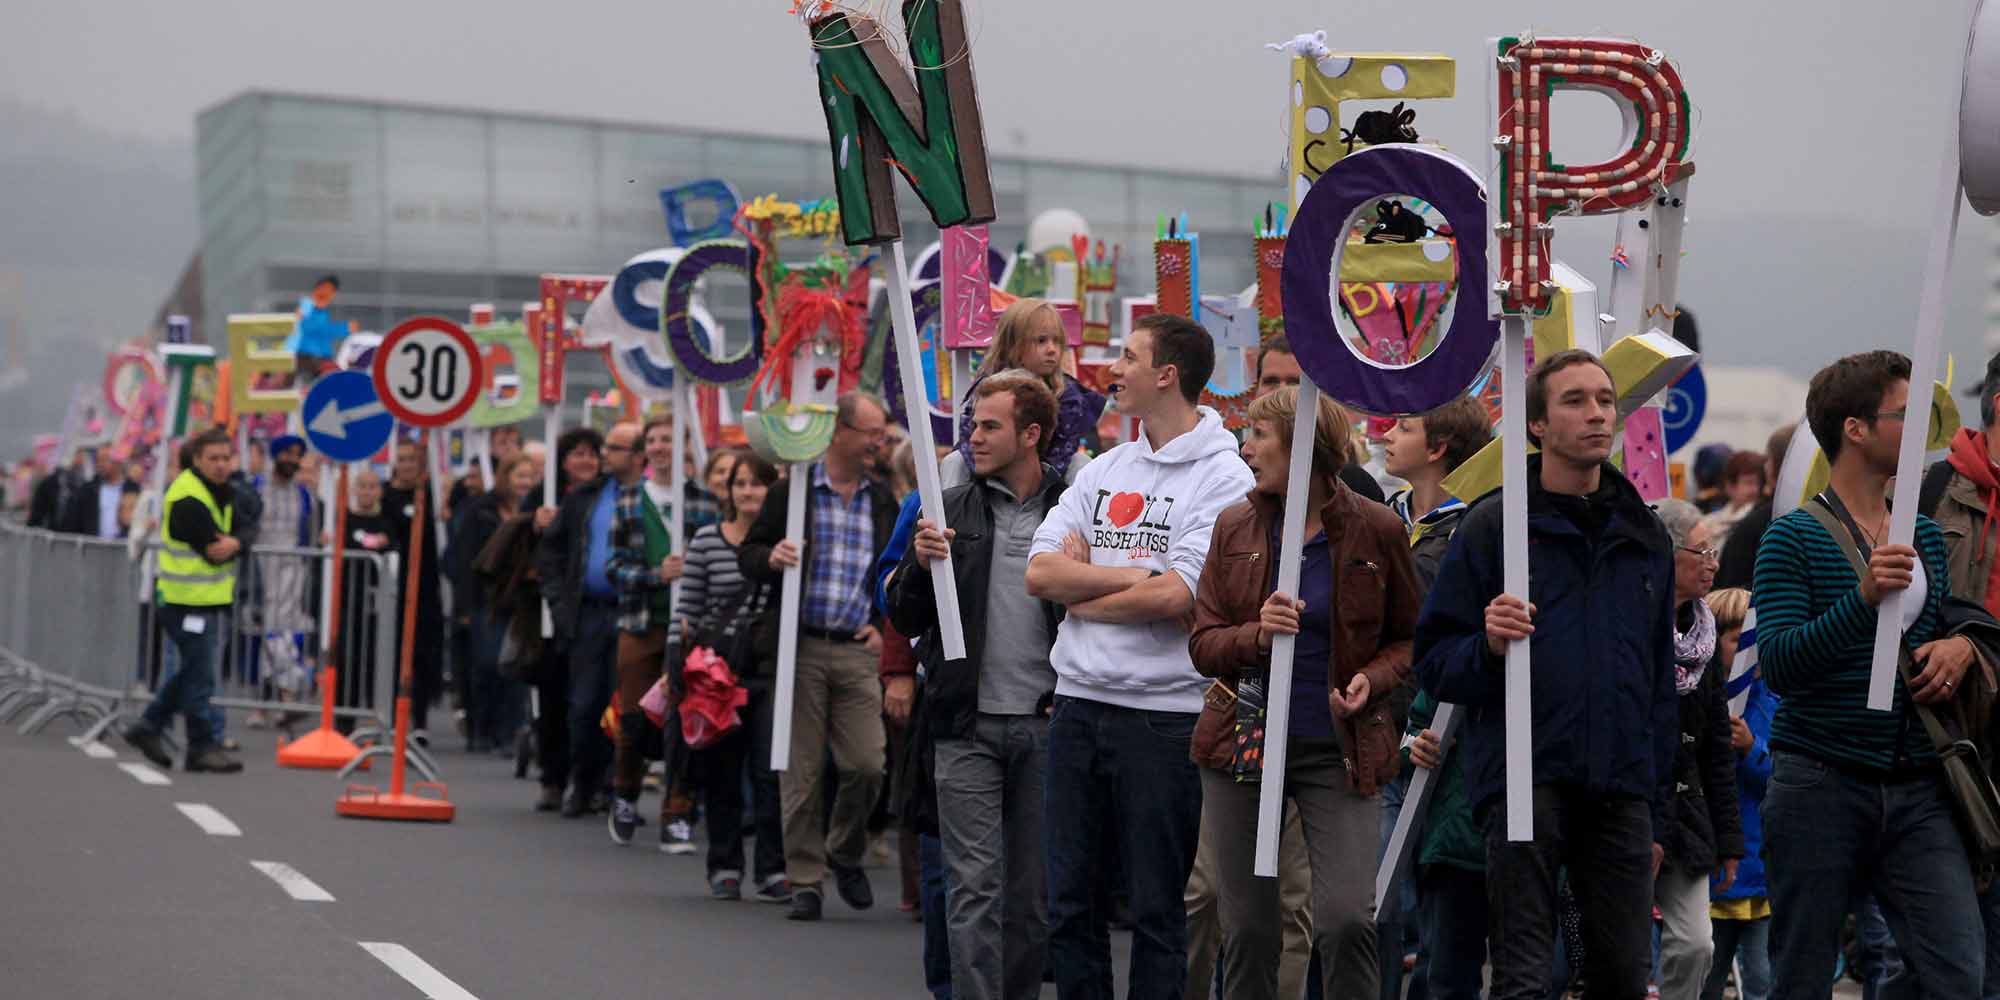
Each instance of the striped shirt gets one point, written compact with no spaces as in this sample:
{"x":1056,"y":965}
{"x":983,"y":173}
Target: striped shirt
{"x":1816,"y":643}
{"x":840,"y":557}
{"x":711,"y":583}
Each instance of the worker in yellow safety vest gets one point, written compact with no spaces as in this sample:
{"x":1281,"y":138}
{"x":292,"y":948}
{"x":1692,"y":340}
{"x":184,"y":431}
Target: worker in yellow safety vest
{"x":197,"y":582}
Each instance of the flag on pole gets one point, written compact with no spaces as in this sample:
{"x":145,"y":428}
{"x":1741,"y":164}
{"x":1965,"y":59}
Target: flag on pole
{"x":1743,"y":671}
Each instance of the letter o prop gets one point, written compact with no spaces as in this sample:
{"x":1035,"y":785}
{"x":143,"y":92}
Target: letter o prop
{"x":676,"y":301}
{"x":1312,"y":259}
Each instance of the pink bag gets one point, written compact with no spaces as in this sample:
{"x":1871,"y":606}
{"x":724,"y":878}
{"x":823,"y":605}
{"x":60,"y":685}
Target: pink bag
{"x":654,"y":704}
{"x":711,"y":705}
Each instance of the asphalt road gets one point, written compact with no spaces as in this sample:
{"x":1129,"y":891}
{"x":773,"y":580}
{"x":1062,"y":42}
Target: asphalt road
{"x":111,"y":890}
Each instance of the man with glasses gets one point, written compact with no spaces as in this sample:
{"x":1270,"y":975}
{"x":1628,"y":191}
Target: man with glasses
{"x":837,"y":693}
{"x":575,"y":566}
{"x":1856,"y":801}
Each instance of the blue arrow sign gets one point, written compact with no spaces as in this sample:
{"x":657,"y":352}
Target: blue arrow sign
{"x":343,"y":418}
{"x":1687,"y":403}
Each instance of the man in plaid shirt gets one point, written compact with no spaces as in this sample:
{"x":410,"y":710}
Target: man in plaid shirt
{"x":645,"y":561}
{"x":837,"y":693}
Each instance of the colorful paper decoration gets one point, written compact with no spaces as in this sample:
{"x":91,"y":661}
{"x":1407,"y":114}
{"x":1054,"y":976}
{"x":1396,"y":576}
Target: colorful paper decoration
{"x":716,"y":199}
{"x":781,"y":432}
{"x":1534,"y":188}
{"x":682,"y":324}
{"x":251,"y":356}
{"x":877,"y":118}
{"x":552,"y":339}
{"x":1316,"y":246}
{"x":1319,"y":85}
{"x":1177,"y":284}
{"x":1099,"y":279}
{"x":967,"y":288}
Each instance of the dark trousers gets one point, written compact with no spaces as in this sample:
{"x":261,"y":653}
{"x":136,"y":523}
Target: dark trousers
{"x":494,"y":711}
{"x":937,"y":938}
{"x":640,"y":657}
{"x":1128,"y":770}
{"x":719,"y":770}
{"x":552,"y":717}
{"x":1829,"y":835}
{"x":593,"y":676}
{"x":193,"y":636}
{"x":1606,"y":845}
{"x":1451,"y":905}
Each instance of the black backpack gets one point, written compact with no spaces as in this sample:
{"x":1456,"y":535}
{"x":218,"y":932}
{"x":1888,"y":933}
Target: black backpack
{"x":734,"y":636}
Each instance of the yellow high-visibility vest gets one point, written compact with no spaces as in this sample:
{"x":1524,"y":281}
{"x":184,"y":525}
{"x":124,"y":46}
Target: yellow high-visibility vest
{"x":185,"y":577}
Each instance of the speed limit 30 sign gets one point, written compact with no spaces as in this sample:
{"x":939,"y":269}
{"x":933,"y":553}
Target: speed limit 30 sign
{"x":427,"y":372}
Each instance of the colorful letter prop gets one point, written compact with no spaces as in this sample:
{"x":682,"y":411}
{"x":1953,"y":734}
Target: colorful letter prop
{"x":716,"y":199}
{"x":876,"y":118}
{"x":250,"y":335}
{"x":681,"y":315}
{"x":1534,"y":188}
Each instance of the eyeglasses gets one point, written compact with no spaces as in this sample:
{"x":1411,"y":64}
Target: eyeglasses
{"x":619,"y":447}
{"x":1709,"y":553}
{"x":872,"y":433}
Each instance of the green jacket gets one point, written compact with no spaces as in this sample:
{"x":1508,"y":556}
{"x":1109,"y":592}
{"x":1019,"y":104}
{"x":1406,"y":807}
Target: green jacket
{"x":1451,"y":837}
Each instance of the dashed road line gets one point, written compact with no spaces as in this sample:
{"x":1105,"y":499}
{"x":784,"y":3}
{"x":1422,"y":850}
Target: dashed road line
{"x":416,"y":971}
{"x":145,"y":775}
{"x":296,"y":885}
{"x":211,"y":822}
{"x":93,"y":748}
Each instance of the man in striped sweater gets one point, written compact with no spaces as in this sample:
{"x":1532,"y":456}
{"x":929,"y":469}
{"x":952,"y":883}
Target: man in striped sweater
{"x":1855,"y":802}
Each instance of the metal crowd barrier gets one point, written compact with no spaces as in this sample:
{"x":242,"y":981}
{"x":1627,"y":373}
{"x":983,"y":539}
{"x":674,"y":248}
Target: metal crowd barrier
{"x":76,"y":642}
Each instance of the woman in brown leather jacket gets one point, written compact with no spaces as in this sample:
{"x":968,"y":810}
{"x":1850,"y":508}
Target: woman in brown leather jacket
{"x":1354,"y":618}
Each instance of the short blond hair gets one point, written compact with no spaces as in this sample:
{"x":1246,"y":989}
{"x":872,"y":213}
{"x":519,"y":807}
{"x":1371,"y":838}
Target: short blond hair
{"x":1731,"y":605}
{"x":1333,"y":446}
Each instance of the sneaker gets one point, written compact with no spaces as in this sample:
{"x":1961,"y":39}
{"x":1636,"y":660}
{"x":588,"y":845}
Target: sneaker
{"x":549,"y":799}
{"x":677,"y":837}
{"x":147,"y":741}
{"x":213,"y":759}
{"x":725,"y":886}
{"x":574,"y":805}
{"x":805,"y":905}
{"x":775,"y":889}
{"x":853,"y":886}
{"x":230,"y":744}
{"x":624,"y":819}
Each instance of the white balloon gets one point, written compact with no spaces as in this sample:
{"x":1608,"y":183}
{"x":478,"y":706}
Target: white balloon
{"x":1054,"y":228}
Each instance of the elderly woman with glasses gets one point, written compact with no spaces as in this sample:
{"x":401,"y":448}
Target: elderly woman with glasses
{"x":1704,"y":834}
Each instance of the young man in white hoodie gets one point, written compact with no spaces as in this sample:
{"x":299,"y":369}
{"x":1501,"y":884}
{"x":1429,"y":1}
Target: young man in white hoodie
{"x":1123,"y":552}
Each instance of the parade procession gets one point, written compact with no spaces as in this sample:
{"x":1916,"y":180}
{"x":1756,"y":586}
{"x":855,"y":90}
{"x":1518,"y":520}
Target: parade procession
{"x":856,"y":505}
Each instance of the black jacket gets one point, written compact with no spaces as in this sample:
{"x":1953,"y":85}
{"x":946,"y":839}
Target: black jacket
{"x":1606,"y":715}
{"x":564,"y":547}
{"x":52,"y":500}
{"x":951,"y":688}
{"x":1738,"y":565}
{"x":474,"y":522}
{"x":1703,"y":825}
{"x":754,"y":555}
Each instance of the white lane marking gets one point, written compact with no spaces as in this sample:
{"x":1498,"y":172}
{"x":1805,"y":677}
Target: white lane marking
{"x":419,"y":973}
{"x":211,"y":822}
{"x":297,"y":886}
{"x":144,"y":774}
{"x":97,"y":750}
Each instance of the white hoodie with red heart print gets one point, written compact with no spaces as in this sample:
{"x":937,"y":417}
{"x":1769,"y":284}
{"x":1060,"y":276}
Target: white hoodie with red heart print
{"x":1153,"y":510}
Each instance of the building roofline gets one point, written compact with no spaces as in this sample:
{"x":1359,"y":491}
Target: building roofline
{"x":692,"y":131}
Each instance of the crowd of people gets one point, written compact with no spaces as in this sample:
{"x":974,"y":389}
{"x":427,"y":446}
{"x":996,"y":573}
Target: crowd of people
{"x":1096,"y":756}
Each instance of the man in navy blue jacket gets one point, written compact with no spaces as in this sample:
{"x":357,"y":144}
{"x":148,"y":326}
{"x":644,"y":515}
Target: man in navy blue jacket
{"x":1606,"y":718}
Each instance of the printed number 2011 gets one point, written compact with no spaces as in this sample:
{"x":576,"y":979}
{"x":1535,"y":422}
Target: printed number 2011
{"x":433,"y":372}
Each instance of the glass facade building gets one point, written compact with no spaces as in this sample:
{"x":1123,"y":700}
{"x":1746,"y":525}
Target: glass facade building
{"x":427,"y":209}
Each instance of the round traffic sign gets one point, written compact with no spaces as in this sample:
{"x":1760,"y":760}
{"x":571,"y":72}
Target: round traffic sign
{"x":427,"y":371}
{"x":1686,"y":404}
{"x":343,"y":418}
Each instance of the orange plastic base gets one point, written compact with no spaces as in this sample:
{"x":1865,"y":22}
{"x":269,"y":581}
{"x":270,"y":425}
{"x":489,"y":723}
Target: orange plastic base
{"x":321,"y":749}
{"x":365,"y":802}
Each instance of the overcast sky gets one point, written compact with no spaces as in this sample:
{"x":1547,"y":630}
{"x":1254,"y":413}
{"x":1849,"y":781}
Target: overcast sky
{"x":1819,"y":130}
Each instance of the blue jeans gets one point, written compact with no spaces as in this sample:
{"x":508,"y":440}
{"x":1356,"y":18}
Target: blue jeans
{"x":1452,"y":908}
{"x":1989,"y":913}
{"x":1750,"y":942}
{"x":192,"y":637}
{"x":1877,"y":959}
{"x":593,"y":676}
{"x":937,"y":944}
{"x":1126,"y":770}
{"x":1829,"y":836}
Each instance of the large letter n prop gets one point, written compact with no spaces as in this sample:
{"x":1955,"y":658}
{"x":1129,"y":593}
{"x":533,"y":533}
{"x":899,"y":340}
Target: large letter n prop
{"x":876,"y":118}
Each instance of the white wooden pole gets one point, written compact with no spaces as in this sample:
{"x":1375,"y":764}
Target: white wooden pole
{"x":951,"y":630}
{"x":151,"y":505}
{"x":790,"y":597}
{"x":1409,"y":819}
{"x":551,"y":426}
{"x":1916,"y":425}
{"x":1520,"y":757}
{"x":483,"y":442}
{"x":683,"y":412}
{"x":1278,"y":686}
{"x":328,"y":472}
